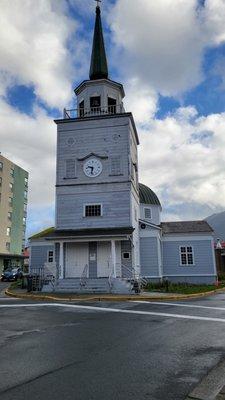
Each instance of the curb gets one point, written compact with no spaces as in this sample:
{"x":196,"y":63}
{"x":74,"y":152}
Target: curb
{"x":100,"y":297}
{"x":211,"y":386}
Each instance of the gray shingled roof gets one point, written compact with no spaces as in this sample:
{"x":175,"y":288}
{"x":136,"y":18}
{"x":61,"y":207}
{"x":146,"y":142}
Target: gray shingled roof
{"x":147,"y":196}
{"x":186,"y":227}
{"x":52,"y":233}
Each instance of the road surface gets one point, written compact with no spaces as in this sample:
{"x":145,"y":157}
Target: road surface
{"x":108,"y":351}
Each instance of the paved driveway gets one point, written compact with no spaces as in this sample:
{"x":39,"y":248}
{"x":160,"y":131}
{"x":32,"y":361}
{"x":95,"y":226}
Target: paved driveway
{"x":108,"y":351}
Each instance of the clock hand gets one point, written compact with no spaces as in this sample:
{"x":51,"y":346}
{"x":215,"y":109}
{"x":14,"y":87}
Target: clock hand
{"x":92,"y":168}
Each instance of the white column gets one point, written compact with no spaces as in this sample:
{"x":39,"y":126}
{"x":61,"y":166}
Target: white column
{"x":113,"y":256}
{"x":61,"y":261}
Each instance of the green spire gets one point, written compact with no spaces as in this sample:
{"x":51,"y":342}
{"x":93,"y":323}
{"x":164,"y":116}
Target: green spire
{"x":98,"y":68}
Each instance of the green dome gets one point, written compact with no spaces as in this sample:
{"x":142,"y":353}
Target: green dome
{"x":147,"y":196}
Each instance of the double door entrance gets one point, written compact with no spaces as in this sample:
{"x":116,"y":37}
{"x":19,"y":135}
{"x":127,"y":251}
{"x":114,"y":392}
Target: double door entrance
{"x":96,"y":255}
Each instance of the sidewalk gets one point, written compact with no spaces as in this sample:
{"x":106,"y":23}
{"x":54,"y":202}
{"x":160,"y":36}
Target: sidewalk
{"x":144,"y":296}
{"x":212,"y":385}
{"x":3,"y":287}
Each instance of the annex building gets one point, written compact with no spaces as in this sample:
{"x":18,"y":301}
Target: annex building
{"x":108,"y":225}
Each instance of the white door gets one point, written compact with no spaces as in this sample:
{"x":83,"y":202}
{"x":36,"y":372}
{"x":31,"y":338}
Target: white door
{"x":76,"y":259}
{"x":104,"y":259}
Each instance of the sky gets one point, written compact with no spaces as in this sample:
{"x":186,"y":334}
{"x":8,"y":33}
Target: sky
{"x":170,"y":56}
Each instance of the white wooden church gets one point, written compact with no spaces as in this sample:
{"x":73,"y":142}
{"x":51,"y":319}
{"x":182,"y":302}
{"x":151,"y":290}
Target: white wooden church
{"x":108,"y":227}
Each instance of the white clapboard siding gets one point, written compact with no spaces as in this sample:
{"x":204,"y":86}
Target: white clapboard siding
{"x":111,"y":139}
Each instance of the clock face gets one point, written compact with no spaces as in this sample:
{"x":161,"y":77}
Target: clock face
{"x":92,"y":167}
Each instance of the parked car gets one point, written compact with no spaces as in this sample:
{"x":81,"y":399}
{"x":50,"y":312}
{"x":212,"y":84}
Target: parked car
{"x":12,"y":274}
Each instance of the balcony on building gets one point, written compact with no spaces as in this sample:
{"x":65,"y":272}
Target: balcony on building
{"x":93,"y":111}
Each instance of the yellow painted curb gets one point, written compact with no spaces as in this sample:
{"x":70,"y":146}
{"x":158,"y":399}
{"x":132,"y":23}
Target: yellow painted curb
{"x":111,"y":297}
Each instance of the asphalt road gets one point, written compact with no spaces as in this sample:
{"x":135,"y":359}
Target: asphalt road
{"x":108,"y":351}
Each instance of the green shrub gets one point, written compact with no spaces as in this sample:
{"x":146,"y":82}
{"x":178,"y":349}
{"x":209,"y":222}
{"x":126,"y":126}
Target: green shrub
{"x":17,"y":284}
{"x":180,"y":287}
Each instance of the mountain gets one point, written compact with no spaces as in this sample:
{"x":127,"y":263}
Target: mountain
{"x":217,"y":222}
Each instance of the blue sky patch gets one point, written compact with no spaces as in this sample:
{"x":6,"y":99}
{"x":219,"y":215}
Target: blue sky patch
{"x":21,"y":97}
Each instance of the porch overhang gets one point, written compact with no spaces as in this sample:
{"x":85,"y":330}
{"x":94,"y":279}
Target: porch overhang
{"x":90,"y":234}
{"x":16,"y":256}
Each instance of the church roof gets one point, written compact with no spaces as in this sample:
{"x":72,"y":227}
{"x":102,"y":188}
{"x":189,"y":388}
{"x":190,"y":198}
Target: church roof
{"x":99,"y":67}
{"x":186,"y":227}
{"x":43,"y":233}
{"x":52,"y":233}
{"x":147,"y":196}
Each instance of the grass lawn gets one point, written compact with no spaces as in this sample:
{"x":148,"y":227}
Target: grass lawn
{"x":182,"y":288}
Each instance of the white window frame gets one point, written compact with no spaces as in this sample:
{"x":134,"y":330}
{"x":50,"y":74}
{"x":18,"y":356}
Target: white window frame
{"x":8,"y":231}
{"x":147,"y":208}
{"x":75,"y":168}
{"x":93,"y":96}
{"x":7,"y":246}
{"x":186,"y":252}
{"x":53,"y":254}
{"x":118,"y":157}
{"x":1,"y":165}
{"x":126,"y":252}
{"x":81,"y":108}
{"x":92,"y":204}
{"x":135,"y":214}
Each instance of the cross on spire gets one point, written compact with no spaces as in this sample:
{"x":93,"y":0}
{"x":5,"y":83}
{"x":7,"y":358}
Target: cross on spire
{"x":98,"y":1}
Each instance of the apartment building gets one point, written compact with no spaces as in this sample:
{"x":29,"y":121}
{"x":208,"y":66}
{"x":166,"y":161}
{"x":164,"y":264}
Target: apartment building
{"x":13,"y":213}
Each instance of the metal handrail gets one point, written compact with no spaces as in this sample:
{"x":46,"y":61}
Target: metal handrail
{"x":51,"y":281}
{"x":84,"y":276}
{"x":93,"y":111}
{"x":134,"y":276}
{"x":110,"y":280}
{"x":129,"y":269}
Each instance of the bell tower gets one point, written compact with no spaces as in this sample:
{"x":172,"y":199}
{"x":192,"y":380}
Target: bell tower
{"x":99,"y":95}
{"x":97,"y":160}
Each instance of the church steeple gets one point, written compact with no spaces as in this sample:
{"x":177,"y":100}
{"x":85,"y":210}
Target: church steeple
{"x":99,"y":67}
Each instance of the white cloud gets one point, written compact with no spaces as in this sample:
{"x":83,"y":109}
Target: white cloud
{"x":33,"y":48}
{"x":30,"y":143}
{"x":160,"y":46}
{"x":163,"y":41}
{"x":182,"y":158}
{"x":214,"y":17}
{"x":145,"y":106}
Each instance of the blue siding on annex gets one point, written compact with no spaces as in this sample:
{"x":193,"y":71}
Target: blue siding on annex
{"x":149,"y":256}
{"x":39,"y":255}
{"x":203,"y":260}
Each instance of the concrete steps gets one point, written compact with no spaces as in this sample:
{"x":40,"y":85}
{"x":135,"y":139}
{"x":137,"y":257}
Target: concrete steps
{"x":100,"y":285}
